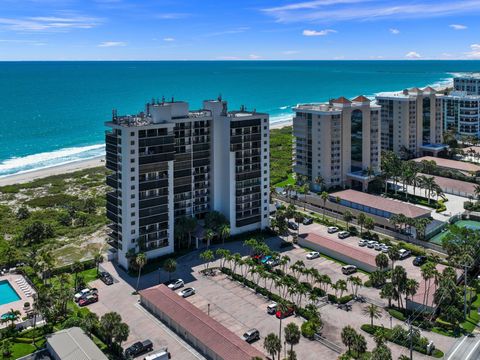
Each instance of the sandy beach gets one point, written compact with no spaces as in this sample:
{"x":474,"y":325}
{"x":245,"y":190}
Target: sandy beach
{"x":54,"y":170}
{"x":281,"y":124}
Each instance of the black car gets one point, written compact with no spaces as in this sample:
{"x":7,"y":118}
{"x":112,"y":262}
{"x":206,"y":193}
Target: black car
{"x":291,"y":225}
{"x":138,"y":348}
{"x":419,"y":260}
{"x":307,"y":221}
{"x":106,"y":278}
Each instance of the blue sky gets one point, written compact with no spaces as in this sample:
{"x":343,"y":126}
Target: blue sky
{"x":229,"y":29}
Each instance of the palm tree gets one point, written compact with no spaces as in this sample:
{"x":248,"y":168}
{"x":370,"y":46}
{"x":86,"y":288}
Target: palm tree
{"x":381,"y":260}
{"x":320,"y":181}
{"x":388,"y":292}
{"x":292,"y":335}
{"x":76,"y":268}
{"x":428,"y":272}
{"x":347,"y":217}
{"x":348,"y":336}
{"x":429,"y":185}
{"x":140,"y":261}
{"x":411,"y":288}
{"x":170,"y":266}
{"x":361,"y":221}
{"x":209,"y":235}
{"x":282,"y":307}
{"x":399,"y":279}
{"x":224,"y":232}
{"x":359,"y":345}
{"x":341,"y":285}
{"x":372,"y":311}
{"x":13,"y":315}
{"x":98,"y":258}
{"x":324,"y":197}
{"x":476,"y":191}
{"x":355,"y":282}
{"x":272,"y":345}
{"x":369,"y":223}
{"x":393,"y":255}
{"x":89,"y":322}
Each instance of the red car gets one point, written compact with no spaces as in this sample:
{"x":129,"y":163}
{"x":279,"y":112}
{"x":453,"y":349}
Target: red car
{"x":89,"y":299}
{"x":286,"y":313}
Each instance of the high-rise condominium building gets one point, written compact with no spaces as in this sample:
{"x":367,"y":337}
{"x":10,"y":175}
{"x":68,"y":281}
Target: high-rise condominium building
{"x":411,"y":121}
{"x":461,"y":113}
{"x":468,"y":83}
{"x":169,"y":162}
{"x":337,"y":142}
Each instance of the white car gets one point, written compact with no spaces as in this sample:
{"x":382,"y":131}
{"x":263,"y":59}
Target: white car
{"x":371,"y":244}
{"x":81,"y":294}
{"x":343,"y":234}
{"x":404,"y":253}
{"x":385,"y":248}
{"x":332,"y":229}
{"x":362,"y":243}
{"x":187,"y":292}
{"x":313,"y":255}
{"x":176,"y":284}
{"x":378,"y":246}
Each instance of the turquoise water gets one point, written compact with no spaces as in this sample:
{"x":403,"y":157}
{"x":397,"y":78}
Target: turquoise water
{"x":53,"y":112}
{"x":470,"y":224}
{"x":7,"y":293}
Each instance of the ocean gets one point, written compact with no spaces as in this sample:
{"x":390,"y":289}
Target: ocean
{"x":53,"y":113}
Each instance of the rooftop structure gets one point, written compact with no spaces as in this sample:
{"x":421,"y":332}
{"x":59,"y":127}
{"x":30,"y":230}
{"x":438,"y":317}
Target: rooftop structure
{"x":73,"y":344}
{"x":169,"y":162}
{"x":464,"y":167}
{"x":337,"y":141}
{"x":377,"y":205}
{"x":468,"y":83}
{"x":411,"y":121}
{"x":454,"y":187}
{"x":207,"y":335}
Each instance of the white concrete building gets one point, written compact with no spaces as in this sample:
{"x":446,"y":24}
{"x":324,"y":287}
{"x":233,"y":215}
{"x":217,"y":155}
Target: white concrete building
{"x":337,"y":141}
{"x":461,"y":113}
{"x":467,"y":83}
{"x":169,"y":162}
{"x":411,"y":121}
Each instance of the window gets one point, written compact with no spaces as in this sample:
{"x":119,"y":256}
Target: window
{"x":132,"y":214}
{"x":132,"y":160}
{"x":132,"y":133}
{"x":132,"y":232}
{"x":132,"y":205}
{"x":132,"y":151}
{"x":132,"y":196}
{"x":132,"y":223}
{"x":133,"y":241}
{"x":132,"y":178}
{"x":132,"y":142}
{"x":132,"y":187}
{"x":132,"y":169}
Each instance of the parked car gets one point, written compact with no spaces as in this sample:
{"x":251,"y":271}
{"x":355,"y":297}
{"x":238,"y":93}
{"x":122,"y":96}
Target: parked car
{"x":403,"y":253}
{"x":371,"y":244}
{"x":138,"y":348}
{"x":84,"y":293}
{"x":362,"y":243}
{"x":343,"y":234}
{"x":332,"y":229}
{"x":385,"y":248}
{"x":288,"y":312}
{"x":106,"y":278}
{"x":307,"y":221}
{"x":293,"y":226}
{"x":187,"y":292}
{"x":87,"y":300}
{"x":162,"y":355}
{"x":176,"y":284}
{"x":251,"y":335}
{"x":265,"y":259}
{"x":273,"y":262}
{"x":420,"y":260}
{"x":378,"y":246}
{"x":349,"y":269}
{"x":257,"y":257}
{"x":313,"y":255}
{"x":272,"y":308}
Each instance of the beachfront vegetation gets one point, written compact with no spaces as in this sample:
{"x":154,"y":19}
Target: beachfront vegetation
{"x":63,"y":214}
{"x":281,"y":142}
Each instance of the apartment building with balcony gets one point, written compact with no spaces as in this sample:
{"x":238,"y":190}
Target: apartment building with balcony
{"x":467,"y":83}
{"x":461,"y":113}
{"x":338,"y":141}
{"x":411,"y":122}
{"x":169,"y":162}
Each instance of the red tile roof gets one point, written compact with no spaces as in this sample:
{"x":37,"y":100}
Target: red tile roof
{"x":429,"y":89}
{"x":381,"y":203}
{"x":451,"y":164}
{"x":213,"y":335}
{"x":457,"y":185}
{"x":361,"y":98}
{"x":341,"y":100}
{"x":353,"y":252}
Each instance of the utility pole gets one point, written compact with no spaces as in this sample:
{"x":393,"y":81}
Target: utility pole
{"x":465,"y":292}
{"x":410,"y":335}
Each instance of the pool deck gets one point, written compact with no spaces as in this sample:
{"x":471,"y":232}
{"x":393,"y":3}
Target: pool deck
{"x":16,"y":305}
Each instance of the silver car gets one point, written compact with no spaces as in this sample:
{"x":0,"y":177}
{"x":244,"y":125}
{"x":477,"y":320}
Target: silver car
{"x":187,"y":292}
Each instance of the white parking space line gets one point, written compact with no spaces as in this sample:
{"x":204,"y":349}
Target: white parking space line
{"x":473,"y":350}
{"x":456,"y":348}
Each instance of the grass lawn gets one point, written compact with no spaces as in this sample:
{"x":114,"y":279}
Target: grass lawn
{"x":21,"y":349}
{"x":473,"y":318}
{"x":289,"y":181}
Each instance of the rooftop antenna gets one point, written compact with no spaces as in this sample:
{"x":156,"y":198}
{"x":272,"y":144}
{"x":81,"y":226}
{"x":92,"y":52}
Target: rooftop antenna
{"x":219,"y":97}
{"x":114,"y":114}
{"x":173,"y":100}
{"x":242,"y":108}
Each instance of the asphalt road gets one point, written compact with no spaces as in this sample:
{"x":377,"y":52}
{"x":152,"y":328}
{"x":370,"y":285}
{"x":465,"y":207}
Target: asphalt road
{"x":465,"y":348}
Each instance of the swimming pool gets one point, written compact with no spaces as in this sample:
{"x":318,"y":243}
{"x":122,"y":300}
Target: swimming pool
{"x":7,"y":293}
{"x":470,"y":224}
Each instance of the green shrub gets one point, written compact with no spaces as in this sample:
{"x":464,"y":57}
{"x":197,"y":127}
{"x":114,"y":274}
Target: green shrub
{"x":308,"y":329}
{"x":440,"y":206}
{"x":444,"y":324}
{"x":60,"y":200}
{"x":415,"y":249}
{"x":345,"y":299}
{"x":368,"y":283}
{"x":397,"y":314}
{"x":332,"y":298}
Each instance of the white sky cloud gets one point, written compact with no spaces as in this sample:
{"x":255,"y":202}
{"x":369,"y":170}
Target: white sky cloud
{"x":474,"y":53}
{"x":49,"y":23}
{"x":112,"y":44}
{"x":254,"y":57}
{"x":169,"y":39}
{"x":318,"y":32}
{"x":413,"y":55}
{"x":329,"y":11}
{"x":394,"y":31}
{"x":458,"y":27}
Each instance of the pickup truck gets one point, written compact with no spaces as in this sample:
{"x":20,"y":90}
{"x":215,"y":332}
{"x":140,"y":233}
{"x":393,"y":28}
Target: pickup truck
{"x":138,"y":348}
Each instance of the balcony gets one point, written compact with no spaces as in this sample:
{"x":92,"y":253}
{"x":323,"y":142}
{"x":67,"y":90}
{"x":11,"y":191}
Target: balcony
{"x":112,"y":181}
